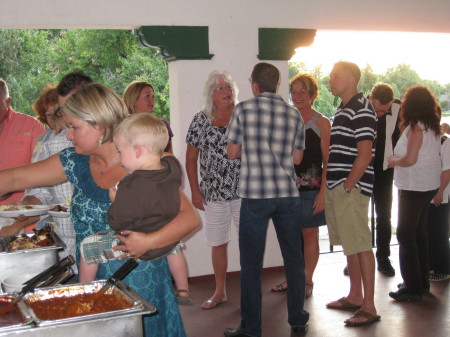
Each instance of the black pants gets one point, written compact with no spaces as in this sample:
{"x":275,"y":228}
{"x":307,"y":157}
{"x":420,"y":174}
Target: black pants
{"x":439,"y":247}
{"x":412,"y":237}
{"x":382,"y":198}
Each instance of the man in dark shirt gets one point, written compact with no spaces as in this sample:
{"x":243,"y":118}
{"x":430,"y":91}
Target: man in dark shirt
{"x":387,"y":109}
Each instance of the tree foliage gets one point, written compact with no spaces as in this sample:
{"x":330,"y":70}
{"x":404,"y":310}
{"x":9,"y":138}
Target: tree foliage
{"x":400,"y":78}
{"x":29,"y":59}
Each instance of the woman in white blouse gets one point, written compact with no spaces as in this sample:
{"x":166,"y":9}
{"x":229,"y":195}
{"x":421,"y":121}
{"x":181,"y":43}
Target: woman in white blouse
{"x":417,"y":169}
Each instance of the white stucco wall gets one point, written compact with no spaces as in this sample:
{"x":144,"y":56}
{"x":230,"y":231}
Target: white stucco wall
{"x":233,"y":28}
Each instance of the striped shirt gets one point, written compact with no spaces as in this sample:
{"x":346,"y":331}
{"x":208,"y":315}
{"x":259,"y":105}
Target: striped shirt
{"x":352,"y":123}
{"x":268,"y":130}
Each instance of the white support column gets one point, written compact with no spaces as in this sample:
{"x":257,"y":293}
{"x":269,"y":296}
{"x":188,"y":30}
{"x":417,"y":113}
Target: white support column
{"x":187,"y":79}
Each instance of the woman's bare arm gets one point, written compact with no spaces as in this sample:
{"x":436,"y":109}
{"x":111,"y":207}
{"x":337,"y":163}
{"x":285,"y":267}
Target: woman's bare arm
{"x":47,"y":172}
{"x":192,"y":154}
{"x":324,"y":126}
{"x":415,"y":139}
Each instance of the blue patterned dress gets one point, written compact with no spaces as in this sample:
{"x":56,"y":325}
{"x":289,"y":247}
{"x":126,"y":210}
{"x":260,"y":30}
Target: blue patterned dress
{"x":150,"y":279}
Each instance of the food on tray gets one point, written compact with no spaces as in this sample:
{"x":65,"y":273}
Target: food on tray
{"x":16,"y":207}
{"x":13,"y":316}
{"x":13,"y":211}
{"x":77,"y":305}
{"x":41,"y":238}
{"x":59,"y":208}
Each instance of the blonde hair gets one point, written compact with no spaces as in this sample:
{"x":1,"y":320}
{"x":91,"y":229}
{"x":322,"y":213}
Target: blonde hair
{"x":145,"y":130}
{"x":308,"y":82}
{"x":99,"y":106}
{"x":132,"y":92}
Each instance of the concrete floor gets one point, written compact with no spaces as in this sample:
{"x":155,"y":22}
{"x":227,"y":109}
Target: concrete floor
{"x":429,"y":318}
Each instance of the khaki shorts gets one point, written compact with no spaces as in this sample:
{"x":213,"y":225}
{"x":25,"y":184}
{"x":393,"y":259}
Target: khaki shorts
{"x":348,"y":220}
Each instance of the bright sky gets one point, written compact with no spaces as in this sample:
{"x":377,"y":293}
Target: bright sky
{"x":427,"y":53}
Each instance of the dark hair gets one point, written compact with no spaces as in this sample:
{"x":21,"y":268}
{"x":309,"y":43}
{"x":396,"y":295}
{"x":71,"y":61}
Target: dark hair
{"x":267,"y":76}
{"x":419,"y":105}
{"x":49,"y":96}
{"x":73,"y":81}
{"x":383,"y":92}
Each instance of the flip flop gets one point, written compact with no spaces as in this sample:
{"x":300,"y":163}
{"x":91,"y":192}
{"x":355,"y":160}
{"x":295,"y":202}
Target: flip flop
{"x":370,"y":318}
{"x":279,"y":288}
{"x":345,"y":305}
{"x":211,"y":304}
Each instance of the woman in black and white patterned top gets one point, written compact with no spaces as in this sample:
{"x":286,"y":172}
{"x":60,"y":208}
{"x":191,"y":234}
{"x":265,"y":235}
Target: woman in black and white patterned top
{"x":217,"y":192}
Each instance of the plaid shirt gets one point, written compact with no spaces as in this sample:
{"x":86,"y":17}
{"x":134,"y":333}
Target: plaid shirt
{"x":58,"y":194}
{"x":268,"y":130}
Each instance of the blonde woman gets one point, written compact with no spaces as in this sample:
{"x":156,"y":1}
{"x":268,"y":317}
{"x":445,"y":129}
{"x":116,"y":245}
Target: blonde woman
{"x":92,"y":166}
{"x":139,"y":97}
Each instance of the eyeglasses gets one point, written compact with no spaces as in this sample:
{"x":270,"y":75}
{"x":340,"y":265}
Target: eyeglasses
{"x":222,"y":89}
{"x":250,"y":80}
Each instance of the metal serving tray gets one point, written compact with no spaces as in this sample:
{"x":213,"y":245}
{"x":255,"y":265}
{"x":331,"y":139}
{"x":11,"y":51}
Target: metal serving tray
{"x":28,"y":260}
{"x":23,"y":323}
{"x":123,"y":323}
{"x":82,"y":288}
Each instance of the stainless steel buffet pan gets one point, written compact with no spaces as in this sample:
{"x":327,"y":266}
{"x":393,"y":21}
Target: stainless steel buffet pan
{"x":122,"y":323}
{"x":28,"y":260}
{"x":14,"y":321}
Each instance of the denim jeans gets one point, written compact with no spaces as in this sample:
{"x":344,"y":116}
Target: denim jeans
{"x":254,"y":220}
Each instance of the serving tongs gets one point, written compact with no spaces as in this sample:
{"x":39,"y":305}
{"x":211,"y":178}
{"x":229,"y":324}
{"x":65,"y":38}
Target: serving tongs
{"x":47,"y":277}
{"x":39,"y":280}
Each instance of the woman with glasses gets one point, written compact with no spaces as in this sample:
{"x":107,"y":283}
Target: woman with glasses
{"x":217,"y":191}
{"x":45,"y":109}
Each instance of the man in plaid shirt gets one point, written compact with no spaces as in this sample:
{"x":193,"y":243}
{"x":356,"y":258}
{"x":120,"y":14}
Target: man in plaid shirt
{"x":269,"y":137}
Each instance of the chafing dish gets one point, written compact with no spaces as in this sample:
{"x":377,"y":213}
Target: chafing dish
{"x":28,"y":260}
{"x":124,"y":322}
{"x":18,"y":318}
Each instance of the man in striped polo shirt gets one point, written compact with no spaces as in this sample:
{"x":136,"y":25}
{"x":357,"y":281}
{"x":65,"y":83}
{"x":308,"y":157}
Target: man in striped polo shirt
{"x":350,"y":183}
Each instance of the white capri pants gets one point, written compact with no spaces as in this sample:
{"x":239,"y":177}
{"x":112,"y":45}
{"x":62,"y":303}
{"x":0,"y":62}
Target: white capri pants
{"x":218,"y":216}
